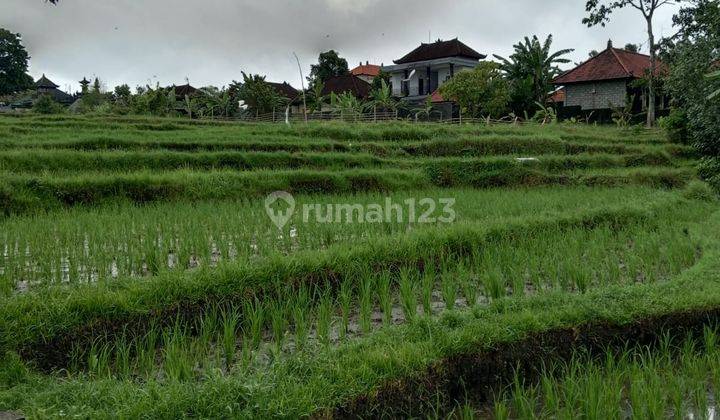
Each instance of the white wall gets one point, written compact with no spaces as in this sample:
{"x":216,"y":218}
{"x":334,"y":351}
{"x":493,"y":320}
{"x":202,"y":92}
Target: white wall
{"x":397,"y":77}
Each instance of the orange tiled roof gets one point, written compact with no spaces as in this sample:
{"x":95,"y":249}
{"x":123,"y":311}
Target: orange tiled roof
{"x":366,"y":70}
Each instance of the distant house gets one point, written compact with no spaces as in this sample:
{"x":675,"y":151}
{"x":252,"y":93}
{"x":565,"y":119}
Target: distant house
{"x":183,"y":90}
{"x":421,"y":72}
{"x":292,"y":95}
{"x":366,"y":71}
{"x":605,"y":82}
{"x":46,"y":87}
{"x":348,"y":83}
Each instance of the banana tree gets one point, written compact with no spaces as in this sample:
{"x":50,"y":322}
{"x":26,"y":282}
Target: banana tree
{"x":347,"y":104}
{"x":382,"y":98}
{"x":425,"y":110}
{"x":536,"y":61}
{"x":318,"y":99}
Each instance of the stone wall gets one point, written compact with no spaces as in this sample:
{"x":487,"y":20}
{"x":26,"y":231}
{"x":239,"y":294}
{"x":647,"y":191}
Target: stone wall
{"x":598,"y":95}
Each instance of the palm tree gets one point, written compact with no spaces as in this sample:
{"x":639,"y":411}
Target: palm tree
{"x":533,"y":60}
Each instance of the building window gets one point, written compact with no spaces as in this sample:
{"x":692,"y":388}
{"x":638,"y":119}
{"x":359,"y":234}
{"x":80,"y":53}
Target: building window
{"x":421,"y":86}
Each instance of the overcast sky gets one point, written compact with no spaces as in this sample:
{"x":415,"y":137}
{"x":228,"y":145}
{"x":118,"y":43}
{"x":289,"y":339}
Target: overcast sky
{"x":211,"y":41}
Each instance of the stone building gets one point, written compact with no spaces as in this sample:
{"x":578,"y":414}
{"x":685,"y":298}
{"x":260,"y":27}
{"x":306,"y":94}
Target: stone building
{"x":608,"y":81}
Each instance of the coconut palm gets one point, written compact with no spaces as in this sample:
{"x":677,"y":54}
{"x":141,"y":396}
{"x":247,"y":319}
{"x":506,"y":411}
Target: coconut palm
{"x":534,"y":60}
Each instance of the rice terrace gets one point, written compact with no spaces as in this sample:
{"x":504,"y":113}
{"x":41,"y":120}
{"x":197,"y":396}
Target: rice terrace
{"x":501,"y":232}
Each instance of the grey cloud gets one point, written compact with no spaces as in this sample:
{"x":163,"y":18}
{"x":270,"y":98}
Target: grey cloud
{"x":211,"y":41}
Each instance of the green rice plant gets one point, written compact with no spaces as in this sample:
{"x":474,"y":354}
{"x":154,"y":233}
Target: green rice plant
{"x":146,"y":350}
{"x":301,"y":318}
{"x":345,"y":299}
{"x":494,"y":283}
{"x":278,"y":312}
{"x":246,"y":353}
{"x":98,"y":359}
{"x":123,"y":366}
{"x":209,"y":326}
{"x":465,"y":412}
{"x":366,"y":305}
{"x":518,"y":281}
{"x":150,"y":235}
{"x":408,"y":295}
{"x":428,"y":281}
{"x":254,"y":317}
{"x":230,"y":322}
{"x":524,"y":399}
{"x":385,"y":296}
{"x":643,"y":382}
{"x":324,"y":318}
{"x":469,"y":285}
{"x":501,"y":411}
{"x":581,"y":277}
{"x":178,"y":363}
{"x":449,"y":289}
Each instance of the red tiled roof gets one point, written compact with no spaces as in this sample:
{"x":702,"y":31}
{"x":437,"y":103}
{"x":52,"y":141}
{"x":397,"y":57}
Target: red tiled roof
{"x":366,"y":70}
{"x":557,"y":97}
{"x":437,"y":97}
{"x":440,"y":49}
{"x":610,"y":64}
{"x":347,"y":83}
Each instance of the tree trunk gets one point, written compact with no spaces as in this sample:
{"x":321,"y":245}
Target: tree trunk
{"x":651,"y":76}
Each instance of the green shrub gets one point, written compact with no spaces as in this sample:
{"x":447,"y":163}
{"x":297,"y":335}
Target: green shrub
{"x":709,"y":170}
{"x":676,"y":126}
{"x":46,"y":105}
{"x":698,"y":190}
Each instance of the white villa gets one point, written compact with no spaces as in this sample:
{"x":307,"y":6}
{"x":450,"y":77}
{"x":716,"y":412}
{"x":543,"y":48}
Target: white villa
{"x":421,"y":72}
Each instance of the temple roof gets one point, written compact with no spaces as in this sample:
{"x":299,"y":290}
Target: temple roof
{"x":45,"y":83}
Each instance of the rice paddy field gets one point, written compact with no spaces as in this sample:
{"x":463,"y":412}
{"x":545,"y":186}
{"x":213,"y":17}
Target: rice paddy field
{"x":141,"y":276}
